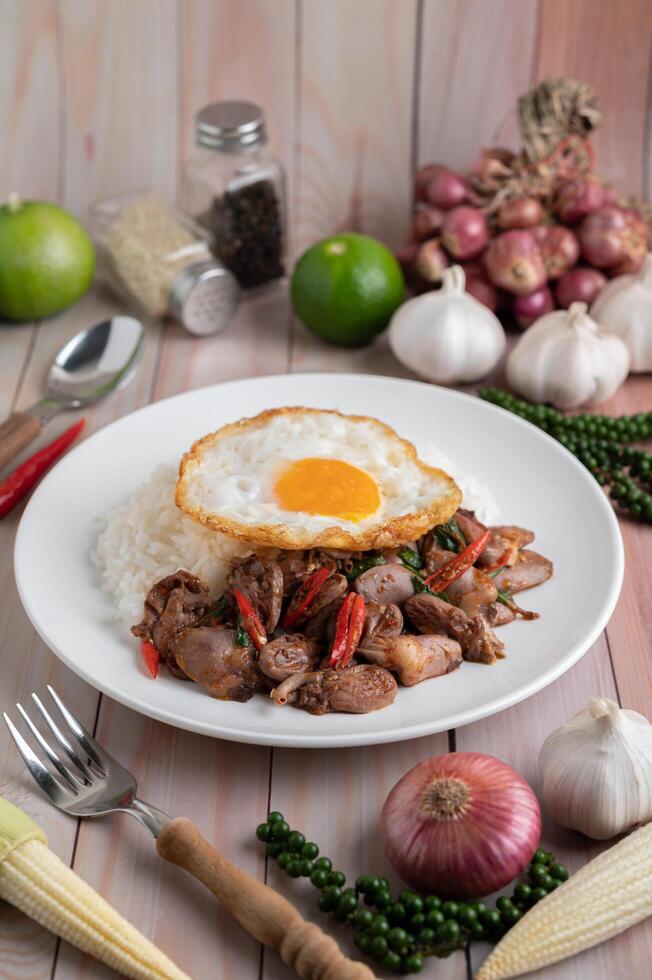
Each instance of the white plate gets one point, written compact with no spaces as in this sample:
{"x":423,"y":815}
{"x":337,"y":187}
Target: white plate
{"x":536,"y":482}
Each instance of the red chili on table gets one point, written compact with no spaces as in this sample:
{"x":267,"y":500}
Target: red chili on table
{"x":20,"y":482}
{"x":456,"y":567}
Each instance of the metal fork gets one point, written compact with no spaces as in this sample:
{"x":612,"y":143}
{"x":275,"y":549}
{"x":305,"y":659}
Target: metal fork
{"x":91,"y":783}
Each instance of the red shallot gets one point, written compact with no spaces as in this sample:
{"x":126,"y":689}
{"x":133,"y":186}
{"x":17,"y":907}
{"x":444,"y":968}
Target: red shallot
{"x":460,"y":825}
{"x":446,"y":189}
{"x":579,"y":284}
{"x":478,"y":286}
{"x":422,"y":178}
{"x":527,"y":309}
{"x":426,"y":221}
{"x":559,"y":248}
{"x":465,"y":232}
{"x":431,"y":261}
{"x":604,"y":236}
{"x":578,"y":198}
{"x":520,"y":212}
{"x":513,"y":260}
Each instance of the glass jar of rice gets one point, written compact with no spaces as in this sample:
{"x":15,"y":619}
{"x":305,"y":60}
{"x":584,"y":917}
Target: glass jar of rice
{"x":159,"y":261}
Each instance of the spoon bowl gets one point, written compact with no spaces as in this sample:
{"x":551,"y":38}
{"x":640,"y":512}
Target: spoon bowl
{"x":91,"y":364}
{"x":96,"y":361}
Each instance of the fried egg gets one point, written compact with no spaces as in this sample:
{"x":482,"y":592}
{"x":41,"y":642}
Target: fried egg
{"x":304,"y":477}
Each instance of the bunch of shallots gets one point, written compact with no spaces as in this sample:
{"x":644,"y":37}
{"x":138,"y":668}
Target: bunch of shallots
{"x":529,"y":255}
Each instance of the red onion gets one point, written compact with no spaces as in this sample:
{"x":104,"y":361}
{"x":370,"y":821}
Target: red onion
{"x":520,"y":212}
{"x":559,"y":248}
{"x":579,"y":285}
{"x":426,"y":222}
{"x":431,"y":261}
{"x":447,"y":189}
{"x":460,"y":825}
{"x":478,"y":286}
{"x":513,"y":261}
{"x":527,"y":309}
{"x":465,"y":232}
{"x":578,"y":198}
{"x":604,"y":236}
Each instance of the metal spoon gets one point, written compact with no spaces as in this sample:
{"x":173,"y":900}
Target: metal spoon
{"x":91,"y":364}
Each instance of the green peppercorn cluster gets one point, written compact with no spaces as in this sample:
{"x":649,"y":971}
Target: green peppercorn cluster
{"x":601,"y":443}
{"x":402,"y":931}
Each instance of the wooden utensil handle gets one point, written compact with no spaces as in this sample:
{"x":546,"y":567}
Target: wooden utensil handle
{"x":263,"y":912}
{"x":16,"y":433}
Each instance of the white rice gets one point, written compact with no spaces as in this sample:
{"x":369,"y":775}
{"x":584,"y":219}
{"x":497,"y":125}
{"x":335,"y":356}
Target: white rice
{"x":476,"y":495}
{"x":149,"y":537}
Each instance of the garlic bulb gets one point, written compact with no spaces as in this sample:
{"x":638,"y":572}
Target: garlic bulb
{"x":625,"y":307}
{"x":596,"y":770}
{"x":447,"y":336}
{"x":566,"y":359}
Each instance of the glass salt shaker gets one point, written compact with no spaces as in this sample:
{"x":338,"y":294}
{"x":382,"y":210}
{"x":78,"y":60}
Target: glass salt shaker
{"x":235,"y":189}
{"x":161,"y":263}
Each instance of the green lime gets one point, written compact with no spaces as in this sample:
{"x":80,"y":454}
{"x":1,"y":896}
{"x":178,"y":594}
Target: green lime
{"x":46,"y":260}
{"x":346,"y":288}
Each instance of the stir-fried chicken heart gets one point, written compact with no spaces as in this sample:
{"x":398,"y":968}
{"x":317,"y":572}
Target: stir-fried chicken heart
{"x":500,"y":614}
{"x":173,"y":603}
{"x":382,"y":620}
{"x":504,"y":544}
{"x":530,"y":569}
{"x":356,"y":690}
{"x":211,"y":657}
{"x":385,"y":584}
{"x":474,"y":591}
{"x":413,"y":658}
{"x":289,"y":654}
{"x":430,"y":614}
{"x":261,"y":580}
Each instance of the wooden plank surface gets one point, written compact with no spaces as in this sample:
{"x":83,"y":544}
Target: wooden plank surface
{"x":475,"y":59}
{"x":352,"y":94}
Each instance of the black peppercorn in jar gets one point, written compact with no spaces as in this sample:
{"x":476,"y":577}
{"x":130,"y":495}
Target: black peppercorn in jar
{"x":235,"y":189}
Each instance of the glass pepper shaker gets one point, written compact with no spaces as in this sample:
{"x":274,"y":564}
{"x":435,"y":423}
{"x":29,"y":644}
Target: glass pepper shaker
{"x":235,"y":189}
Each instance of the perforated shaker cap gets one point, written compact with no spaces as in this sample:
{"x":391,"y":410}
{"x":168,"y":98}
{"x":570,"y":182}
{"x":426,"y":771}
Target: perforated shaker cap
{"x":204,"y":296}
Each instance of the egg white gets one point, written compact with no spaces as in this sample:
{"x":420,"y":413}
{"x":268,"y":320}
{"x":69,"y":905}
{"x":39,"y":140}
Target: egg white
{"x":227,"y":480}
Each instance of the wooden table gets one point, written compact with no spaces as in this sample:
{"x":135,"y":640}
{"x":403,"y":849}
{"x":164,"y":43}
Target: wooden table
{"x":335,"y":796}
{"x":97,"y":98}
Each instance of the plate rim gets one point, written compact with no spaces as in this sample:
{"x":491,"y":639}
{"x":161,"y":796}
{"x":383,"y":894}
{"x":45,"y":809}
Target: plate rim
{"x":334,"y":740}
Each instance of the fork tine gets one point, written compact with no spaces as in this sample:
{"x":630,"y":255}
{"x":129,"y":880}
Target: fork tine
{"x":59,"y":795}
{"x":61,"y":738}
{"x":84,"y":737}
{"x":49,"y":751}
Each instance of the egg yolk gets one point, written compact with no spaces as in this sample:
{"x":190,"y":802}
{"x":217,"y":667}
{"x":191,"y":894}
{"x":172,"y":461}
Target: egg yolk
{"x":329,"y":487}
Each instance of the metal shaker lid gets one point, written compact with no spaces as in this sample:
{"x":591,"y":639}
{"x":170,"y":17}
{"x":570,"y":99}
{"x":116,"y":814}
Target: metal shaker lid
{"x":230,"y":125}
{"x":203,"y":297}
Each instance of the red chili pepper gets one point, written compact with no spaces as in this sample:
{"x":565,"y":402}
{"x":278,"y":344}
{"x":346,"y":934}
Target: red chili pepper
{"x":348,"y":630}
{"x":151,"y":656}
{"x":305,"y":595}
{"x":250,"y":620}
{"x":456,"y":567}
{"x":20,"y":482}
{"x":502,"y":561}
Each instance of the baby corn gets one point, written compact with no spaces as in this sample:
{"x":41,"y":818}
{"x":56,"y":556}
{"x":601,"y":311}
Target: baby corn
{"x":38,"y":883}
{"x":608,"y":895}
